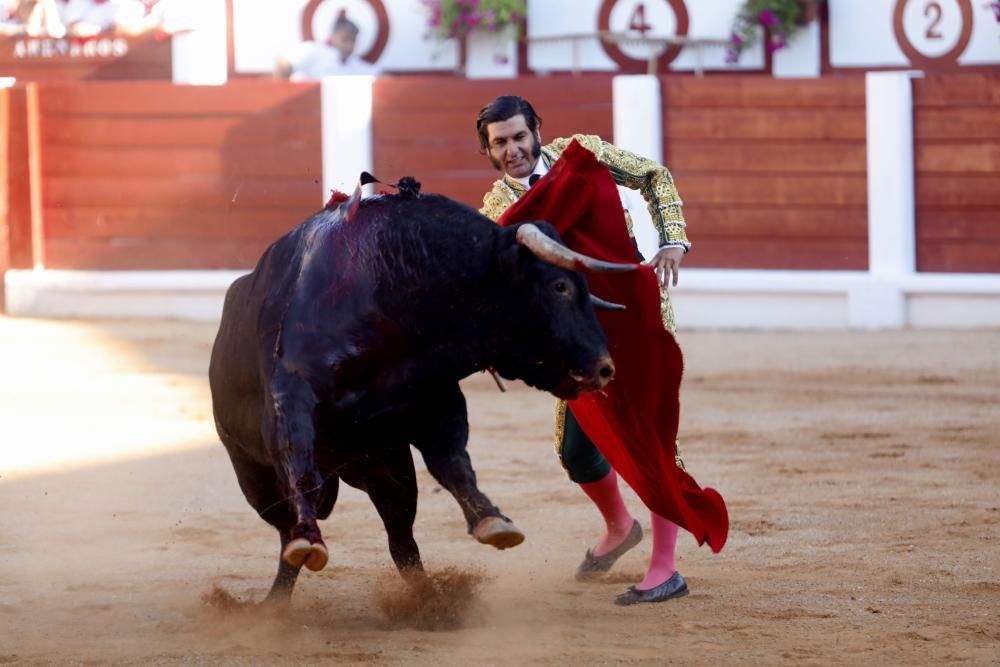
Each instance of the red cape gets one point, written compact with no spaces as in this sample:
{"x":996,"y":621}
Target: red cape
{"x":634,"y":420}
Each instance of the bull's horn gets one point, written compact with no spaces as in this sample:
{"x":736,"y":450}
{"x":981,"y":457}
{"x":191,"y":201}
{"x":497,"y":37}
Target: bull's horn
{"x":601,"y":304}
{"x":532,"y":238}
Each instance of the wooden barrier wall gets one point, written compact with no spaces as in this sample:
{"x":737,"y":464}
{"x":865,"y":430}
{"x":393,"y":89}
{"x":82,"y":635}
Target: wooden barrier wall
{"x":425,"y":127}
{"x":957,"y":164}
{"x":154,"y":176}
{"x":772,"y":172}
{"x":147,"y":175}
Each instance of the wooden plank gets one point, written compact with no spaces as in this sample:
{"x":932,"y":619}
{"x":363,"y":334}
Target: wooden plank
{"x":947,"y":190}
{"x":62,"y":72}
{"x":954,"y":157}
{"x":776,"y":222}
{"x":183,"y":191}
{"x":164,"y":99}
{"x":450,"y":126}
{"x":444,"y":125}
{"x":195,"y":225}
{"x":792,"y":254}
{"x":468,"y":95}
{"x":19,"y":193}
{"x":831,"y":124}
{"x":957,"y":90}
{"x":772,"y":156}
{"x":407,"y":159}
{"x":153,"y":254}
{"x":775,"y":190}
{"x":959,"y":257}
{"x":762,"y":92}
{"x":935,"y":224}
{"x":139,"y":132}
{"x":234,"y":160}
{"x":956,"y":123}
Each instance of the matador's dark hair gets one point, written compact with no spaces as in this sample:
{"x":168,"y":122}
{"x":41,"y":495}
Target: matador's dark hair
{"x":502,"y":108}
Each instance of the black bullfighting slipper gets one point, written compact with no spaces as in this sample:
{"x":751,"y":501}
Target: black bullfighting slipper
{"x":593,"y":566}
{"x":674,"y":587}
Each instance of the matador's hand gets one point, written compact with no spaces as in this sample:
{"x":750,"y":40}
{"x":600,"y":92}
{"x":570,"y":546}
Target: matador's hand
{"x":667,"y":265}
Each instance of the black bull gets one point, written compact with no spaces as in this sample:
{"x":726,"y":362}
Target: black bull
{"x":346,"y":344}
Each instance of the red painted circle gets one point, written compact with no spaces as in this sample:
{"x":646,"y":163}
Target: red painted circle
{"x":381,"y":16}
{"x":928,"y":62}
{"x":630,"y":65}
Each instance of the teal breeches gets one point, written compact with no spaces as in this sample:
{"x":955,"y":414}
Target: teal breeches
{"x":579,"y":456}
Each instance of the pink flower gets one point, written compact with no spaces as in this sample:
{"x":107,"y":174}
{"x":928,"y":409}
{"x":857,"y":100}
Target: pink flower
{"x":776,"y":42}
{"x":768,"y":18}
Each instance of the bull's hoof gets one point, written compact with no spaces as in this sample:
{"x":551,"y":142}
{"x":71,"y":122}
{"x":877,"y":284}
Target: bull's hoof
{"x":301,"y":551}
{"x":497,"y":532}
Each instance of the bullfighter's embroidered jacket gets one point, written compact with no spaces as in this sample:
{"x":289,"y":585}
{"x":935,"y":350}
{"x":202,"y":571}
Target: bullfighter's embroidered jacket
{"x":629,"y":170}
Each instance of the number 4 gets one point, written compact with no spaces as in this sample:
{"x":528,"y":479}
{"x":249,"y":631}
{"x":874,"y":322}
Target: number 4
{"x":637,"y":21}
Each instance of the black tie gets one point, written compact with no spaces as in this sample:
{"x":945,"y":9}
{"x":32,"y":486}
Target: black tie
{"x":533,"y":179}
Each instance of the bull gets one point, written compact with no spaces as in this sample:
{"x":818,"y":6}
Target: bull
{"x":345,"y":346}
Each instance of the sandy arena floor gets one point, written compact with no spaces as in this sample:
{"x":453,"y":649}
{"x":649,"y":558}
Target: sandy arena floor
{"x":862,"y":473}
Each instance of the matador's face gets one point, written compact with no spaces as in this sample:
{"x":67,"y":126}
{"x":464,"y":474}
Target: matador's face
{"x":513,"y":148}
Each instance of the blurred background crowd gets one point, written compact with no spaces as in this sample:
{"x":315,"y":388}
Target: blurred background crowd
{"x":85,"y":18}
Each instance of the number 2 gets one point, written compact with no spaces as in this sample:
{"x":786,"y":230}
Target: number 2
{"x":933,"y":8}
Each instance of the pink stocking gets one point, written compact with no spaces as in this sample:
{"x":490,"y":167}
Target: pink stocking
{"x":605,"y":494}
{"x":661,"y":562}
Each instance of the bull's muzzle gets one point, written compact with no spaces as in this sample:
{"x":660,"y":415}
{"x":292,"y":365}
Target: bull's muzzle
{"x":601,"y":373}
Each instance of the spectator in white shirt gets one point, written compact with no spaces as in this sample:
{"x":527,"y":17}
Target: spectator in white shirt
{"x":160,"y":17}
{"x":86,"y":18}
{"x":314,"y":60}
{"x":35,"y":18}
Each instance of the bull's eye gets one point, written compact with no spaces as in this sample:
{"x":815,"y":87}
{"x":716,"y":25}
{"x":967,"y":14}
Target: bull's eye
{"x":561,"y":287}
